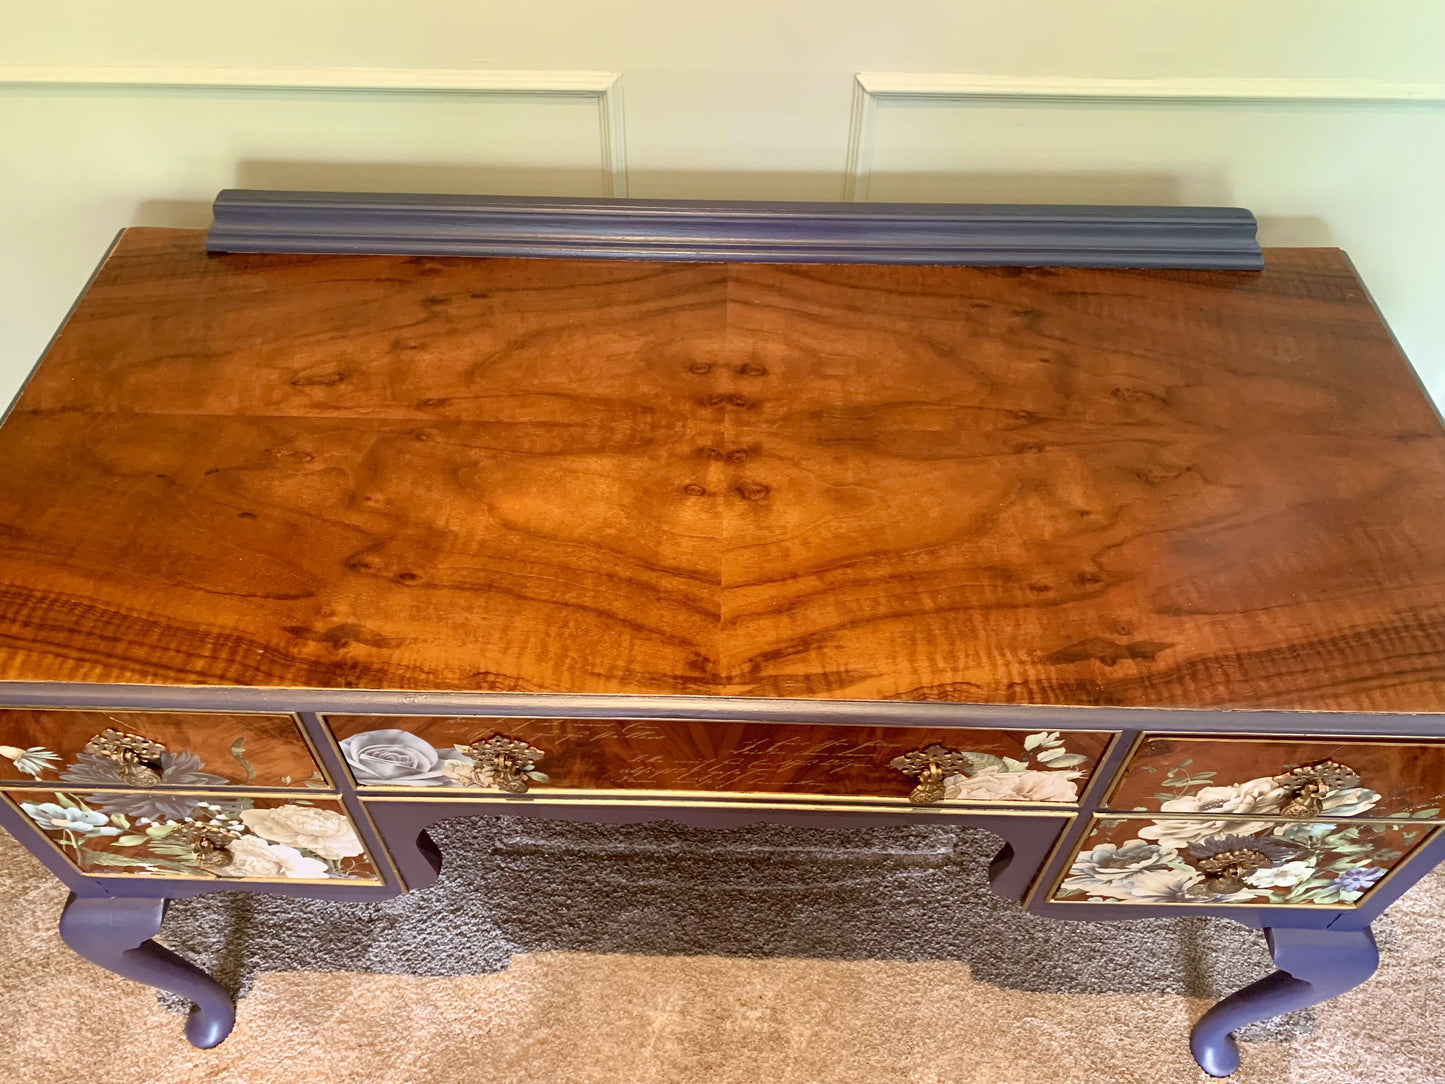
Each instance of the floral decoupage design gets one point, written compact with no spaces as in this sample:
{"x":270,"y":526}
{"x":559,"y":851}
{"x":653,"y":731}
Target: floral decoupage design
{"x":1135,"y":860}
{"x":1046,"y":774}
{"x":396,"y":758}
{"x":176,"y":769}
{"x":1231,"y":843}
{"x":152,"y":834}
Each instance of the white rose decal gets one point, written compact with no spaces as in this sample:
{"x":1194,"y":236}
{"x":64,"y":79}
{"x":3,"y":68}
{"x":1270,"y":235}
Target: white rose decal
{"x":252,"y":857}
{"x":321,"y":831}
{"x":393,"y":758}
{"x":994,"y":785}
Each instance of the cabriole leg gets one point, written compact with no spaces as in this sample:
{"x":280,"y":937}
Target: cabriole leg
{"x":116,"y":934}
{"x":1314,"y":966}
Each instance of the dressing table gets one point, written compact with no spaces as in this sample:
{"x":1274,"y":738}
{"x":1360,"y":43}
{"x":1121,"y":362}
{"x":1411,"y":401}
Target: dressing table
{"x":373,"y":513}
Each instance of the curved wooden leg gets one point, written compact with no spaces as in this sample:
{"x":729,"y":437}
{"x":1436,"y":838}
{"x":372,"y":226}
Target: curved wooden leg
{"x":116,"y":934}
{"x":1026,"y":846}
{"x":1314,"y":966}
{"x":403,"y":828}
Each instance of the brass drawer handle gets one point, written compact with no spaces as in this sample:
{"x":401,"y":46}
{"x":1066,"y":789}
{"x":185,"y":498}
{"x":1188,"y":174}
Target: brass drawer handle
{"x":504,"y":763}
{"x":211,"y":844}
{"x":1306,"y":787}
{"x":137,"y":759}
{"x":930,"y":767}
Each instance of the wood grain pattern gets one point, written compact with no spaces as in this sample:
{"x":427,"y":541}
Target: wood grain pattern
{"x":690,"y":755}
{"x":1409,"y":777}
{"x":273,"y":749}
{"x":1063,"y":487}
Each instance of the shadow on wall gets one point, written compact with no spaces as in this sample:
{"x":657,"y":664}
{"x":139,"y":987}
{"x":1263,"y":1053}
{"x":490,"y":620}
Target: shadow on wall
{"x":1147,"y":189}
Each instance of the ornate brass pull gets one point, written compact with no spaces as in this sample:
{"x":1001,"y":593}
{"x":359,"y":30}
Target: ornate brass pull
{"x":504,"y":763}
{"x":930,"y":767}
{"x":137,"y":759}
{"x":1305,"y":787}
{"x":211,"y":844}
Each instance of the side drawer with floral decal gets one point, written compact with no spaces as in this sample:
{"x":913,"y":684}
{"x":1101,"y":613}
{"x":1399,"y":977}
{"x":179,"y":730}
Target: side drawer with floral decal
{"x":959,"y":765}
{"x":155,"y":748}
{"x":1196,"y":860}
{"x":1288,"y":777}
{"x":230,"y":835}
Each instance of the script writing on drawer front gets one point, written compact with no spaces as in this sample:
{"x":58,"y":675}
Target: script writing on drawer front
{"x":1197,"y":860}
{"x":1295,"y":777}
{"x":230,"y":836}
{"x":89,"y":748}
{"x":985,"y":765}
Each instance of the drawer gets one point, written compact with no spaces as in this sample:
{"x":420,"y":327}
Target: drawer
{"x":1295,"y":777}
{"x":196,"y":749}
{"x":1195,"y":860}
{"x":964,"y":766}
{"x":227,"y":835}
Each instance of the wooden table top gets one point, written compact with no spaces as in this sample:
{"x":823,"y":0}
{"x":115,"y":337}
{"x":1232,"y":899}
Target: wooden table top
{"x":1060,"y":487}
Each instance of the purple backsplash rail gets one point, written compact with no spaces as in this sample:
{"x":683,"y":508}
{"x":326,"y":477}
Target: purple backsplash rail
{"x":998,"y":235}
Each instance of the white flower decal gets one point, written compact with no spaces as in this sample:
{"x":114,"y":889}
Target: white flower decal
{"x":60,"y":818}
{"x":321,"y":831}
{"x":1285,"y":876}
{"x":392,"y":758}
{"x":252,"y":857}
{"x":995,"y":785}
{"x":33,"y":761}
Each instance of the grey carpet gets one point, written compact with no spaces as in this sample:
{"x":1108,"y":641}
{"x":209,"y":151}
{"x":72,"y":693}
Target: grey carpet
{"x":891,"y":893}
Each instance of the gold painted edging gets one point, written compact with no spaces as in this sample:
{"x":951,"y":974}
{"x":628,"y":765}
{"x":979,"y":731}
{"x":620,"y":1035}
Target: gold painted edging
{"x":294,"y":716}
{"x":69,"y":858}
{"x":1431,"y":828}
{"x":654,"y":800}
{"x":1214,"y":736}
{"x":584,"y":794}
{"x":364,"y":789}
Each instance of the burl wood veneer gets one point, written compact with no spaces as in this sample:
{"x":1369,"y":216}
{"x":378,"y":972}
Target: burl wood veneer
{"x":1060,"y":487}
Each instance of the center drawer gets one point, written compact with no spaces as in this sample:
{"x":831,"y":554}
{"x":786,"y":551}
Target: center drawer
{"x":958,"y":765}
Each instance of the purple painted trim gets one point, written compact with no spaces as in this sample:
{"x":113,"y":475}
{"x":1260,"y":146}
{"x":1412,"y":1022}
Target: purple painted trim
{"x":403,"y":824}
{"x":28,"y":834}
{"x":732,"y":231}
{"x":321,"y":740}
{"x":732,"y":708}
{"x":1400,"y":881}
{"x":1314,"y":966}
{"x":116,"y":934}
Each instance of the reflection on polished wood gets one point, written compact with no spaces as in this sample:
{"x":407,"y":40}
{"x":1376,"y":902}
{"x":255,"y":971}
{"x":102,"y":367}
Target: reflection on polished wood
{"x":1067,"y":487}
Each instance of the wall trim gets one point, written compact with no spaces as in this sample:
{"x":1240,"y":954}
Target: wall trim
{"x":603,"y":87}
{"x":870,"y":88}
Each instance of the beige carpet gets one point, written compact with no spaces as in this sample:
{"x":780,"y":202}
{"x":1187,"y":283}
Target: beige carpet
{"x":598,"y":1019}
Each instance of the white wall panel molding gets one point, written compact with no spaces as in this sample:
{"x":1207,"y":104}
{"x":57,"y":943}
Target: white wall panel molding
{"x":604,"y":88}
{"x":872,"y":88}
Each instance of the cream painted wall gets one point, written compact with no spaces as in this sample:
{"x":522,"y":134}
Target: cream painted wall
{"x":752,"y":100}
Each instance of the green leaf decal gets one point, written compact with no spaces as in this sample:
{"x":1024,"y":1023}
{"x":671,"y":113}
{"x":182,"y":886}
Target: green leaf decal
{"x":1066,"y":760}
{"x":131,"y":841}
{"x":238,"y":751}
{"x":110,"y":858}
{"x":977,"y":762}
